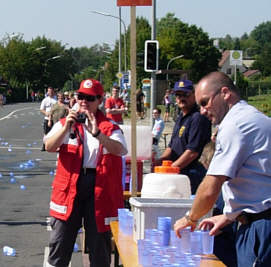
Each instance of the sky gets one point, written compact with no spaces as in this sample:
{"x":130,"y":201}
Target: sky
{"x":72,"y":23}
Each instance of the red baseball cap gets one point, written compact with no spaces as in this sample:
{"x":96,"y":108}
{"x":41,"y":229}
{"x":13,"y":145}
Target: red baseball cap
{"x":91,"y":87}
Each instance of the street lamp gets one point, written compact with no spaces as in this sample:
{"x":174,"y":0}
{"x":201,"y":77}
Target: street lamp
{"x":40,"y":48}
{"x":52,"y":58}
{"x":27,"y":83}
{"x":124,"y":26}
{"x":49,"y":59}
{"x":171,"y":61}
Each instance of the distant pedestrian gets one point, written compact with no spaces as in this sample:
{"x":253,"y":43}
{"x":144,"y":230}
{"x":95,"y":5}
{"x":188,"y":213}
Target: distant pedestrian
{"x":1,"y":100}
{"x":66,"y":98}
{"x":72,"y":99}
{"x":58,"y":111}
{"x":157,"y":131}
{"x":45,"y":108}
{"x":114,"y":106}
{"x":167,"y":103}
{"x":33,"y":96}
{"x":125,"y":97}
{"x":140,"y":96}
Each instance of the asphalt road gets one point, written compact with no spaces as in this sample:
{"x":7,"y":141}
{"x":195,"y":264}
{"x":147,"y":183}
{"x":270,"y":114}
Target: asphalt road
{"x":25,"y":185}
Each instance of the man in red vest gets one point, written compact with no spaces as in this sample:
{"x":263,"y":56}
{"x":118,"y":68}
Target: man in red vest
{"x":87,"y":189}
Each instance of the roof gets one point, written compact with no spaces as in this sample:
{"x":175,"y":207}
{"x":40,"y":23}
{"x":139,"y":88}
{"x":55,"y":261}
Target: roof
{"x":224,"y":57}
{"x":250,"y":73}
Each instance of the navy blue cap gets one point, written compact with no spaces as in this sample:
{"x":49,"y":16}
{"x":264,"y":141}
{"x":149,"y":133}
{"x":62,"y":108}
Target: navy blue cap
{"x":183,"y":85}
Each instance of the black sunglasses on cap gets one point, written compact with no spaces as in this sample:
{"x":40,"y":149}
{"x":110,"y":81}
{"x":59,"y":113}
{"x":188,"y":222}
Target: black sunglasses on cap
{"x":89,"y":98}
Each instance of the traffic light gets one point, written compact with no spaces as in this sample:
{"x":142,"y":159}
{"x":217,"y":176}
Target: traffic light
{"x":151,"y":55}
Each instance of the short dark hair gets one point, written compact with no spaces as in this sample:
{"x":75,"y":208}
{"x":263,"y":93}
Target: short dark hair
{"x":116,"y":87}
{"x":219,"y":79}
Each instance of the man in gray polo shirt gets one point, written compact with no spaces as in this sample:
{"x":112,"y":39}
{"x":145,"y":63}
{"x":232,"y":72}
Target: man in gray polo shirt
{"x":240,"y":167}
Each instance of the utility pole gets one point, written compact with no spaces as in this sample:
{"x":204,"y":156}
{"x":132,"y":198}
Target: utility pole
{"x":133,"y":99}
{"x":153,"y":76}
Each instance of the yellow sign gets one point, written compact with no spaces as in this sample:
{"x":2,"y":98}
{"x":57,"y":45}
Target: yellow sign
{"x":119,"y":75}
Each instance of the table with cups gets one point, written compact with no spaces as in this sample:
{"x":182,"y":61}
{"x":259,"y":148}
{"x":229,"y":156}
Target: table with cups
{"x":161,"y":247}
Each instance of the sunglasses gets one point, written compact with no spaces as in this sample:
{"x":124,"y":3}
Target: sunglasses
{"x":183,"y":94}
{"x":205,"y":102}
{"x":89,"y":98}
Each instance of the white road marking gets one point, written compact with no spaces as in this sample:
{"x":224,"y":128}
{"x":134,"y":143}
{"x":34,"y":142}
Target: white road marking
{"x":21,"y":147}
{"x":14,"y":111}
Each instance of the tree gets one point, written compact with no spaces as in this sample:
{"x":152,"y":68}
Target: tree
{"x":263,"y":60}
{"x":177,"y":38}
{"x":262,"y":33}
{"x":36,"y":64}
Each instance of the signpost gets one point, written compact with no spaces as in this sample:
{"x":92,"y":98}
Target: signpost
{"x":236,"y":59}
{"x":134,"y":2}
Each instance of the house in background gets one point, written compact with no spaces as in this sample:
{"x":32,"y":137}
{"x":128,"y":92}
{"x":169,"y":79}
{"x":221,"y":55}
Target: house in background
{"x":224,"y":66}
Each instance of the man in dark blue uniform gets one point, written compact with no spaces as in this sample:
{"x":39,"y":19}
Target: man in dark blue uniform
{"x":191,"y":133}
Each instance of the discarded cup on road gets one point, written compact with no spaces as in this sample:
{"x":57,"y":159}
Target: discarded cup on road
{"x":8,"y":251}
{"x":12,"y":180}
{"x":75,"y":248}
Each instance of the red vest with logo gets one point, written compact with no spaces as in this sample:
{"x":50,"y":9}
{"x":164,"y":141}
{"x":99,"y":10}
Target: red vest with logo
{"x":108,"y":187}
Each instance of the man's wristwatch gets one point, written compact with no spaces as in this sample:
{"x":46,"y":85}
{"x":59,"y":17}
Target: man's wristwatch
{"x":187,"y":217}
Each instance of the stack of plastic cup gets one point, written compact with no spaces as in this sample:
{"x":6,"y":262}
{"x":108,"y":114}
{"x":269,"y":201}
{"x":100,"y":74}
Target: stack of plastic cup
{"x":164,"y":225}
{"x":156,"y":236}
{"x":129,"y":223}
{"x":122,"y":213}
{"x":126,"y":220}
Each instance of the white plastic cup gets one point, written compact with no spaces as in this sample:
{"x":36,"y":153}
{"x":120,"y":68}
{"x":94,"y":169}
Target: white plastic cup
{"x":185,"y":243}
{"x":75,"y":248}
{"x":207,"y":242}
{"x":196,"y":242}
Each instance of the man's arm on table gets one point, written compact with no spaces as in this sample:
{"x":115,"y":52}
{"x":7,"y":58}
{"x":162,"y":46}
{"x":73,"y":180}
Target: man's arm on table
{"x":206,"y":197}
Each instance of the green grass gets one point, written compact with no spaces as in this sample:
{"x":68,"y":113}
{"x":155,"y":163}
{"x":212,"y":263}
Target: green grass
{"x":262,"y":103}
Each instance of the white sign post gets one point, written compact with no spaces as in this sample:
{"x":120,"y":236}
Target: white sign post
{"x":236,"y":59}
